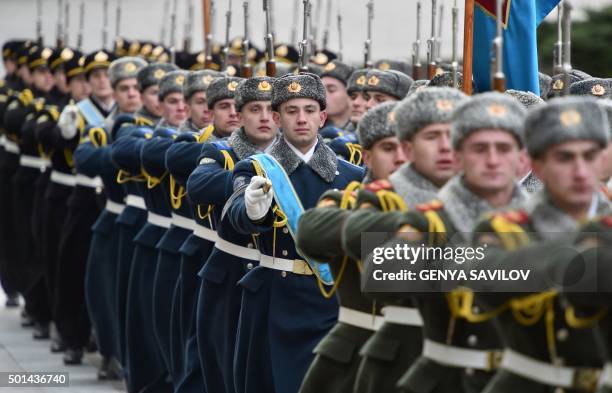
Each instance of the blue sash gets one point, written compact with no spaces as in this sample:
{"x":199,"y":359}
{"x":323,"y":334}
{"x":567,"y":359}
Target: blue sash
{"x":289,"y":202}
{"x":91,"y":114}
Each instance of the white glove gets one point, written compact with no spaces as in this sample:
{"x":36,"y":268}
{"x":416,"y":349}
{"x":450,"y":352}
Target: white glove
{"x":256,"y":200}
{"x":69,"y":122}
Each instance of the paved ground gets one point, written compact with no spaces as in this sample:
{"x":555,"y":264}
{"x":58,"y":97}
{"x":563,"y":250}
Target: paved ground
{"x":18,"y":352}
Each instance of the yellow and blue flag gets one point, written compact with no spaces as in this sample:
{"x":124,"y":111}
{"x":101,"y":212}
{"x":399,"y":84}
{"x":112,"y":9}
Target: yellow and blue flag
{"x":520,"y":55}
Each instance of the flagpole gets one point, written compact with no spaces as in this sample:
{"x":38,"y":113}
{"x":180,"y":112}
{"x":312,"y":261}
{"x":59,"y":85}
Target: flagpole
{"x":468,"y":45}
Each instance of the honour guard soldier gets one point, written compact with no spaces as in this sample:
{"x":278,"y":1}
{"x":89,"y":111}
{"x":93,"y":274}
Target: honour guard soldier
{"x":606,"y":172}
{"x":172,"y":101}
{"x":199,"y":114}
{"x":335,"y":75}
{"x":234,"y":254}
{"x":283,"y":282}
{"x":337,"y":356}
{"x":181,"y":160}
{"x":9,"y":59}
{"x":101,"y":274}
{"x":60,"y":94}
{"x":565,"y":140}
{"x":381,"y":86}
{"x":125,"y":154}
{"x":220,"y":95}
{"x":354,"y":89}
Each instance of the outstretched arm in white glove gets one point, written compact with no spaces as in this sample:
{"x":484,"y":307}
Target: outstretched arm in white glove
{"x":257,"y":201}
{"x":69,"y":122}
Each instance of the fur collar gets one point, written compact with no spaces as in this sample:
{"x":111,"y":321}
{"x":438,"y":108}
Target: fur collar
{"x":188,"y":126}
{"x":465,"y":208}
{"x":413,"y":187}
{"x":241,"y":144}
{"x":324,"y":162}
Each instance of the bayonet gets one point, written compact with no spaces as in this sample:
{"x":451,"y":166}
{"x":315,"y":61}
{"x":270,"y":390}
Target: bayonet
{"x":66,"y":22}
{"x":228,"y":26}
{"x":417,"y":67}
{"x":104,"y":23}
{"x":454,"y":62}
{"x":59,"y":41}
{"x":431,"y":43}
{"x":567,"y":45}
{"x":340,"y":41}
{"x":39,"y":36}
{"x":187,"y":34}
{"x":246,"y":71}
{"x":173,"y":32}
{"x":269,"y":39}
{"x":558,"y":47}
{"x":208,"y":29}
{"x":79,"y":45}
{"x":439,"y":39}
{"x":303,"y":45}
{"x":499,"y":79}
{"x":118,"y":19}
{"x":367,"y":50}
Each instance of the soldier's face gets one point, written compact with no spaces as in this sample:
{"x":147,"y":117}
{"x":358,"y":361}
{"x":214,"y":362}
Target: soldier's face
{"x":24,"y":73}
{"x":384,"y":157}
{"x":358,"y":106}
{"x":42,"y":79}
{"x":60,"y":81}
{"x":570,"y":171}
{"x":489,"y":160}
{"x":606,"y":171}
{"x":258,"y":122}
{"x":100,"y":84}
{"x":225,"y":117}
{"x":300,"y":119}
{"x":338,"y":103}
{"x":375,"y":98}
{"x":198,"y":110}
{"x":431,"y":154}
{"x":174,"y":108}
{"x":79,"y":88}
{"x":10,"y":66}
{"x":150,"y":100}
{"x":127,"y":95}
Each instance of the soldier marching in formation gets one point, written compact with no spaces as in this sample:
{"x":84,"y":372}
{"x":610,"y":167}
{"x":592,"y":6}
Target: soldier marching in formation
{"x":203,"y":219}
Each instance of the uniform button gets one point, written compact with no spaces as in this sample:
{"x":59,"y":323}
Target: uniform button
{"x":249,"y":265}
{"x":285,"y":253}
{"x":98,"y":190}
{"x":469,"y":371}
{"x":250,"y":245}
{"x":472,"y":340}
{"x":562,"y":334}
{"x":285,"y":230}
{"x":284,"y":274}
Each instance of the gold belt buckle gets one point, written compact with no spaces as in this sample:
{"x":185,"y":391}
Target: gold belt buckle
{"x":494,"y":360}
{"x":301,"y":267}
{"x":586,"y":379}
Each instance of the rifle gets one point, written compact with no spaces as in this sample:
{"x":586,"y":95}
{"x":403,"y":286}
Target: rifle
{"x":558,"y":46}
{"x":66,"y":22}
{"x":567,"y":45}
{"x":118,"y":19}
{"x":246,"y":71}
{"x":269,"y":39}
{"x":59,"y":41}
{"x":340,"y":43}
{"x":439,"y":39}
{"x":228,"y":25}
{"x":208,"y":11}
{"x":367,"y":51}
{"x":303,"y":45}
{"x":163,"y":32}
{"x":104,"y":23}
{"x":188,"y":27}
{"x":417,"y":67}
{"x":431,"y":43}
{"x":173,"y":32}
{"x":39,"y":36}
{"x":499,"y":79}
{"x":454,"y":62}
{"x":79,"y":45}
{"x":327,"y":24}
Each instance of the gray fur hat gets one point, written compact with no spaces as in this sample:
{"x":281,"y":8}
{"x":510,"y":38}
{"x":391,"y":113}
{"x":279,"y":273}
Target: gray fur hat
{"x":253,"y":89}
{"x":393,"y":83}
{"x":125,"y":68}
{"x":428,"y":106}
{"x":338,"y":70}
{"x":565,"y":119}
{"x":199,"y":81}
{"x":172,"y":82}
{"x":418,"y":85}
{"x":595,"y":87}
{"x":490,"y":110}
{"x":357,"y":81}
{"x":557,"y":83}
{"x":303,"y":85}
{"x":527,"y":98}
{"x":607,"y":105}
{"x":545,"y":82}
{"x":221,"y":89}
{"x":397,"y":65}
{"x":446,"y":79}
{"x":376,"y":124}
{"x":153,"y":74}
